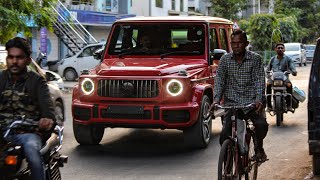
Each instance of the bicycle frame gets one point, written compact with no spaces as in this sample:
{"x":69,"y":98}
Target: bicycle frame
{"x":237,"y":165}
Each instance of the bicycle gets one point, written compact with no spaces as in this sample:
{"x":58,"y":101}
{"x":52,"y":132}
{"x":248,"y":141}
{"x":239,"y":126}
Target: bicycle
{"x":237,"y":155}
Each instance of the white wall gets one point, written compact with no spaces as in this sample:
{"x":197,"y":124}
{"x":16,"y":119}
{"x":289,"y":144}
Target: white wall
{"x":141,"y":7}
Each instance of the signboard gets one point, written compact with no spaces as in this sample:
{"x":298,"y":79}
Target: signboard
{"x":235,"y":25}
{"x":43,"y":40}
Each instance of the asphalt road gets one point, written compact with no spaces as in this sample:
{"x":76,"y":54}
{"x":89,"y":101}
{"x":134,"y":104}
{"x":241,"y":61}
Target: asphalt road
{"x":143,"y":154}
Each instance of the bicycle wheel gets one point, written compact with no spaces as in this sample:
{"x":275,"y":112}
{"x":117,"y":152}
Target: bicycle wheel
{"x":227,"y":166}
{"x":251,"y":169}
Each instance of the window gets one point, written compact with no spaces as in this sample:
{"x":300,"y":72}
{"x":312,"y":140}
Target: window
{"x":164,"y":38}
{"x":173,"y":5}
{"x":213,"y":39}
{"x":223,"y":39}
{"x":108,"y":5}
{"x":181,"y":5}
{"x":159,"y":3}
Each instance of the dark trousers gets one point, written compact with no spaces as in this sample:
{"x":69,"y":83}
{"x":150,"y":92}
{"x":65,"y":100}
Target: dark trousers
{"x":289,"y":90}
{"x":259,"y":121}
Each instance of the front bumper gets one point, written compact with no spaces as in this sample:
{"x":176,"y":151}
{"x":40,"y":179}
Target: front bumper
{"x":172,"y":116}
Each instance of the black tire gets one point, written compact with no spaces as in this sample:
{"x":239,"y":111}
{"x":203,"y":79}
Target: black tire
{"x":59,"y":110}
{"x":300,"y":64}
{"x":87,"y":134}
{"x":199,"y":135}
{"x":316,"y":164}
{"x":253,"y":174}
{"x":305,"y":64}
{"x":227,"y":164}
{"x":70,"y":74}
{"x":279,"y":112}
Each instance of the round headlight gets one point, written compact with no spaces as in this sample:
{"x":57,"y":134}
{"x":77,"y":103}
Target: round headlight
{"x":174,"y":87}
{"x":87,"y":86}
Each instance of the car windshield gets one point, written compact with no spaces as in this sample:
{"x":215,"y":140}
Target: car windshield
{"x":157,"y":39}
{"x":292,"y":47}
{"x":310,"y":48}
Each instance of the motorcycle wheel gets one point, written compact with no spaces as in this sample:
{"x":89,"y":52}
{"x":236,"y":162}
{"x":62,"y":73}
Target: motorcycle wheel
{"x":279,"y":112}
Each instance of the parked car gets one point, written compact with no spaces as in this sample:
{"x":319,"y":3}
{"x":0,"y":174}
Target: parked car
{"x":70,"y":68}
{"x":297,"y":52}
{"x":314,"y":111}
{"x":54,"y":78}
{"x":3,"y":55}
{"x":310,"y":51}
{"x":53,"y":84}
{"x":167,"y":84}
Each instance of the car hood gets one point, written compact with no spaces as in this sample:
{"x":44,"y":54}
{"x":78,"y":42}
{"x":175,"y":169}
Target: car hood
{"x":147,"y":66}
{"x":290,"y":53}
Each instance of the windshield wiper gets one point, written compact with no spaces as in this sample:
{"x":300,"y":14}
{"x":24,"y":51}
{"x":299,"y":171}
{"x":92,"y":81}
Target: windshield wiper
{"x":178,"y":52}
{"x":131,"y":51}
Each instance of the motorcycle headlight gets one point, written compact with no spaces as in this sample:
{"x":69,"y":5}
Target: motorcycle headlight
{"x":87,"y":86}
{"x":277,"y":83}
{"x":174,"y":87}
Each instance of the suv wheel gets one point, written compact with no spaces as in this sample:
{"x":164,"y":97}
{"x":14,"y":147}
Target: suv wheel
{"x":70,"y":74}
{"x":316,"y":163}
{"x":87,"y":134}
{"x":199,"y":135}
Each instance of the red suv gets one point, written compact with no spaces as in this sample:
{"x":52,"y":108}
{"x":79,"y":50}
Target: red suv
{"x":163,"y":81}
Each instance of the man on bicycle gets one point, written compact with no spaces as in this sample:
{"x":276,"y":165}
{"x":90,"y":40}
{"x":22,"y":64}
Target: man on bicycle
{"x":240,"y":80}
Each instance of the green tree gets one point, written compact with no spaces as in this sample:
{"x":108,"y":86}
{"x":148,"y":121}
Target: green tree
{"x":289,"y":28}
{"x":228,"y":8}
{"x":307,"y":14}
{"x":263,"y":31}
{"x":14,"y":15}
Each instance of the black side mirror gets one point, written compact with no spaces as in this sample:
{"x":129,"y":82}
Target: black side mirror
{"x":216,"y":54}
{"x":98,"y":54}
{"x":50,"y":77}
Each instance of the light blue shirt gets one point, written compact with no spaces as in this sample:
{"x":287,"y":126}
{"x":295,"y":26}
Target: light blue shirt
{"x":283,"y":65}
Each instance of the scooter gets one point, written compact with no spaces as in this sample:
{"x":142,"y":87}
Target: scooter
{"x":13,"y":165}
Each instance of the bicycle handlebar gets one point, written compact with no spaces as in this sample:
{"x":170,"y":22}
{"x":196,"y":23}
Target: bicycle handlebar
{"x":251,"y":105}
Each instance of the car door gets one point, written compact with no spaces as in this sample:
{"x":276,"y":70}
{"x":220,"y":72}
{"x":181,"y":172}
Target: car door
{"x":85,"y":59}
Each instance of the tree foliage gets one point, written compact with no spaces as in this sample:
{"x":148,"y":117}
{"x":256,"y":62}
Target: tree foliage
{"x":15,"y":14}
{"x":263,"y":31}
{"x":228,"y":9}
{"x":289,"y":28}
{"x":307,"y":14}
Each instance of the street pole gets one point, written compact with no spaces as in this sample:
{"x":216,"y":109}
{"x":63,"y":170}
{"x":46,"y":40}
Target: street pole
{"x":271,"y":6}
{"x":254,"y":6}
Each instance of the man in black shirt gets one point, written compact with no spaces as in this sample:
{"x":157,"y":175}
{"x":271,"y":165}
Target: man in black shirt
{"x":25,"y":93}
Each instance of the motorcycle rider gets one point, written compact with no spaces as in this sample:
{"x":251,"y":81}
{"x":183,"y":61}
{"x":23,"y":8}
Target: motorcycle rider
{"x":280,"y":62}
{"x":24,"y":92}
{"x":240,"y":80}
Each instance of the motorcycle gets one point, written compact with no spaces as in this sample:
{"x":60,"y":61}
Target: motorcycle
{"x":279,"y":95}
{"x":13,"y":165}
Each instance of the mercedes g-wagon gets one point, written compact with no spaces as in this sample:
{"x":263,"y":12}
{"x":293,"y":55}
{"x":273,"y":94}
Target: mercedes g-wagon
{"x":163,"y":82}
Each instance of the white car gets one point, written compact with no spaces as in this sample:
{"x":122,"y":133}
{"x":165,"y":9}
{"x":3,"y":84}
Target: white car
{"x":70,"y":68}
{"x":54,"y":85}
{"x":310,"y":51}
{"x":296,"y":52}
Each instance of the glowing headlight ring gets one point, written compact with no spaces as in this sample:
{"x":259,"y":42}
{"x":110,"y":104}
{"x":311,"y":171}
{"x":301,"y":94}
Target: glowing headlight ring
{"x":87,"y":80}
{"x":180,"y":85}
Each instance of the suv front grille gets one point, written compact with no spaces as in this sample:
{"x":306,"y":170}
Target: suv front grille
{"x":128,"y":88}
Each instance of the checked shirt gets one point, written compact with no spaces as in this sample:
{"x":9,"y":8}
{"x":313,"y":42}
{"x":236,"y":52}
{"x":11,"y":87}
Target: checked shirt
{"x":240,"y":84}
